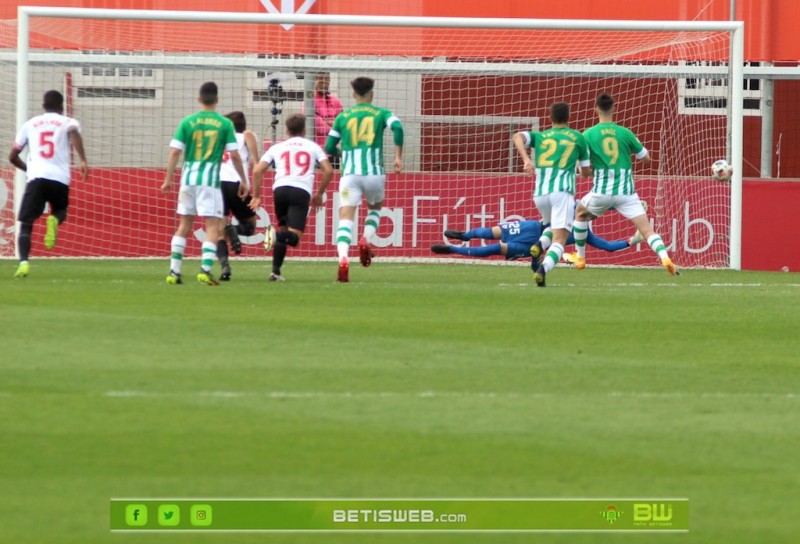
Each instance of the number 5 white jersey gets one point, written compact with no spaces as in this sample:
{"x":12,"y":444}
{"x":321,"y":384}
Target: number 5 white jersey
{"x":294,"y":161}
{"x":47,"y":137}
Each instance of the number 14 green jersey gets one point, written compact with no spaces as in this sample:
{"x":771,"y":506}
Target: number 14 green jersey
{"x":360,"y":130}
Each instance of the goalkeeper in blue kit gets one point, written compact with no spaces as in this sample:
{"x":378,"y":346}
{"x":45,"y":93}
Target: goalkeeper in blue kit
{"x":516,"y":239}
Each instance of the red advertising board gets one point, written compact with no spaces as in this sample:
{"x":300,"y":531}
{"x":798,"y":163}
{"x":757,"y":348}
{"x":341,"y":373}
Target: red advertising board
{"x":122,"y":213}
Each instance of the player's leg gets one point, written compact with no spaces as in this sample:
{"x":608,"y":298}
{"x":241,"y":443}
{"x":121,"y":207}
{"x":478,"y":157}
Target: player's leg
{"x":292,"y":206}
{"x":590,"y":207}
{"x":632,"y":209}
{"x":542,"y":203}
{"x":229,"y":192}
{"x":57,"y":194}
{"x":374,"y":190}
{"x":30,"y":210}
{"x":178,"y":247}
{"x":562,"y":213}
{"x":478,"y":251}
{"x":480,"y":233}
{"x":209,"y":207}
{"x":186,"y":210}
{"x":349,"y":197}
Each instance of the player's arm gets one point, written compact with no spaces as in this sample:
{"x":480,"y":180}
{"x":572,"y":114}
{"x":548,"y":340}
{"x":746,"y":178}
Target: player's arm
{"x":77,"y":144}
{"x":252,"y":147}
{"x":397,"y":132}
{"x":172,"y":163}
{"x":522,"y":140}
{"x":177,"y":145}
{"x":15,"y":159}
{"x":601,"y":243}
{"x":327,"y":175}
{"x":236,"y":159}
{"x":258,"y":179}
{"x":16,"y":149}
{"x":584,"y":161}
{"x":334,"y":135}
{"x":639,"y":150}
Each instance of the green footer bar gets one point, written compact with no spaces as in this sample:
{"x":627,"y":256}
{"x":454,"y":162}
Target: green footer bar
{"x":400,"y":515}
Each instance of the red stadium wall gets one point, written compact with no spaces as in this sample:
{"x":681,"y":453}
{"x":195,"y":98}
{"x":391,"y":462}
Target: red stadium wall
{"x":104,"y":220}
{"x":770,"y":25}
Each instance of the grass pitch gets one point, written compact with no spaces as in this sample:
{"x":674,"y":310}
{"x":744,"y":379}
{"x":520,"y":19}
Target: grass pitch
{"x":411,"y":381}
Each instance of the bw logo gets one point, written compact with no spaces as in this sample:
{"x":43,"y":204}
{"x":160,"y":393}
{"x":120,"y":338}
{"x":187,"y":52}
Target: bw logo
{"x":658,"y":512}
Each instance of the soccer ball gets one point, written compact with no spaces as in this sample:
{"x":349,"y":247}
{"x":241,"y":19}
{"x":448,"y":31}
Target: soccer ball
{"x":722,"y":170}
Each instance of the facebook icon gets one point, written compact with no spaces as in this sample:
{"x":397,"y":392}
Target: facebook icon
{"x":135,"y":515}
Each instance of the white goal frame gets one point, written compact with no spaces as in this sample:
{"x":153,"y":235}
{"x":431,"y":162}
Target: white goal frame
{"x":734,"y":70}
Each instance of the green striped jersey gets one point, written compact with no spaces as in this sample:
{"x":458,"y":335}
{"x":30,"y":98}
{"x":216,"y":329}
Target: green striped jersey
{"x":556,"y":152}
{"x":610,"y":147}
{"x":203,"y":137}
{"x":360,"y":130}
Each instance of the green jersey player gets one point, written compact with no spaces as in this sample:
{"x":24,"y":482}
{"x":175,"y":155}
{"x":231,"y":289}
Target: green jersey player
{"x":203,"y":138}
{"x":360,"y":131}
{"x":611,"y":147}
{"x":556,"y":151}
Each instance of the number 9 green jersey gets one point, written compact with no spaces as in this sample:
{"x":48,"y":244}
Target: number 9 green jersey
{"x":610,"y":148}
{"x":360,"y":130}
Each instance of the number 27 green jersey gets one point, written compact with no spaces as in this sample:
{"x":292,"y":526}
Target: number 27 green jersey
{"x":360,"y":130}
{"x":556,"y":152}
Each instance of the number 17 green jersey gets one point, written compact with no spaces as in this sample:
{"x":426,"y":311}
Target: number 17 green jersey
{"x":360,"y":129}
{"x":203,"y":137}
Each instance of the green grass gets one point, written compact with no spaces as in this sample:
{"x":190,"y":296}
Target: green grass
{"x":411,"y":381}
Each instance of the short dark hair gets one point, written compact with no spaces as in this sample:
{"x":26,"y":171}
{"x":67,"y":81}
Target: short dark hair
{"x":53,"y":101}
{"x":362,"y":85}
{"x":559,"y":113}
{"x":208,"y":93}
{"x":605,"y":102}
{"x":239,"y":121}
{"x":296,"y":124}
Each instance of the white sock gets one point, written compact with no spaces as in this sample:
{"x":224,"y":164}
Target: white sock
{"x":546,"y":239}
{"x":371,"y":224}
{"x":580,"y":230}
{"x":178,"y":246}
{"x":552,"y":257}
{"x":344,"y":235}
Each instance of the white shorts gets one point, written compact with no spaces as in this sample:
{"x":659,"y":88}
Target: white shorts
{"x":202,"y":201}
{"x":557,"y":209}
{"x":629,"y":206}
{"x":352,"y":187}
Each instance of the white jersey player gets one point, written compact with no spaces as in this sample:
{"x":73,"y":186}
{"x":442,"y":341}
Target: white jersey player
{"x":49,"y":138}
{"x":236,"y":195}
{"x":294,"y":161}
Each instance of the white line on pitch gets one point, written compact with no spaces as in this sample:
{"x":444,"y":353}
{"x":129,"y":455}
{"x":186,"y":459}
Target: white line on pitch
{"x":444,"y":394}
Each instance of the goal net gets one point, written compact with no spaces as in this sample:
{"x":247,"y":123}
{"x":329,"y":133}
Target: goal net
{"x":460,"y":92}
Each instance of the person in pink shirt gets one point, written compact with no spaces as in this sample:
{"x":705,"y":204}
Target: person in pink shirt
{"x":326,"y":108}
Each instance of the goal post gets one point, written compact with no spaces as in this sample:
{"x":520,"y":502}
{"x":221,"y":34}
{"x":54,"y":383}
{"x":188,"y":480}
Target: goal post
{"x":461,"y":86}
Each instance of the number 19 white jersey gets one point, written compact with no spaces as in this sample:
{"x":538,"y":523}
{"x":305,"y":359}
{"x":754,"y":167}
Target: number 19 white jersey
{"x":294,"y":161}
{"x":47,"y":137}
